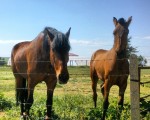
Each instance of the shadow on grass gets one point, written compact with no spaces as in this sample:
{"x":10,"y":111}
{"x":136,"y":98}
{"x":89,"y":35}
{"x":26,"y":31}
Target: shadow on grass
{"x":113,"y":113}
{"x":145,"y":108}
{"x":94,"y":114}
{"x":40,"y":116}
{"x":55,"y":116}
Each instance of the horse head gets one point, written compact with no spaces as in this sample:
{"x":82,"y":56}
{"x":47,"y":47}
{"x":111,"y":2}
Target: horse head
{"x":59,"y":53}
{"x":121,"y":33}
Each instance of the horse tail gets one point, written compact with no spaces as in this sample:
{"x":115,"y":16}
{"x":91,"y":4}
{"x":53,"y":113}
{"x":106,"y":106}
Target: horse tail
{"x":14,"y":70}
{"x":20,"y":86}
{"x":17,"y":97}
{"x":92,"y":64}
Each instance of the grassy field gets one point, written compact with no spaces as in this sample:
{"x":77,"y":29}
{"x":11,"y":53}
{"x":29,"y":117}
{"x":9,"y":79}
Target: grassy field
{"x":72,"y":101}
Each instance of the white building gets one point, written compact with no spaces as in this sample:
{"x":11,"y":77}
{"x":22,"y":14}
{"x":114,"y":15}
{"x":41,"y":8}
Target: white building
{"x":148,"y":61}
{"x":76,"y":60}
{"x":9,"y":62}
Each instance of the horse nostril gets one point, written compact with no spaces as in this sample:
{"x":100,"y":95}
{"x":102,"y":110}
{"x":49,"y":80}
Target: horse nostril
{"x":60,"y":77}
{"x":63,"y":78}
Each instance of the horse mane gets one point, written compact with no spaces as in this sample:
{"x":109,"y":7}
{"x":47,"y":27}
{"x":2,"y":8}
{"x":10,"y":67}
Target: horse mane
{"x":122,"y":54}
{"x":122,"y":21}
{"x":59,"y":43}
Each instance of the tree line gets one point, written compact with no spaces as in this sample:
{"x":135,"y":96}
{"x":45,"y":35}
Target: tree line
{"x":2,"y":61}
{"x":142,"y":61}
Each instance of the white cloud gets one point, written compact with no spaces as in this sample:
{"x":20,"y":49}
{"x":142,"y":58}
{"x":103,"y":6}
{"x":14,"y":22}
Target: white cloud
{"x":146,"y":37}
{"x":10,"y":41}
{"x":6,"y":47}
{"x":84,"y":47}
{"x":87,"y":47}
{"x":91,"y":42}
{"x":142,"y":38}
{"x":72,"y":41}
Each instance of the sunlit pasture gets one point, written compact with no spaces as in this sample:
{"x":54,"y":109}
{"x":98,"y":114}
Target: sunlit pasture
{"x":72,"y":101}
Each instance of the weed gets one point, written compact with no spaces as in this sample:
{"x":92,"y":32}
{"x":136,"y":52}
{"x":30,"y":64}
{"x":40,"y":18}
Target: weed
{"x":4,"y":104}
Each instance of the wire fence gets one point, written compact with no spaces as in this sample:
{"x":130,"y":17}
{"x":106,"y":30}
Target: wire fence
{"x":79,"y":82}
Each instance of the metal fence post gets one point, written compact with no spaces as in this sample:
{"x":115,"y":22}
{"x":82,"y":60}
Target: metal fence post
{"x":134,"y":88}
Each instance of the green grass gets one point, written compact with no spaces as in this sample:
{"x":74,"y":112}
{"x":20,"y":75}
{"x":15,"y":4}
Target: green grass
{"x":72,"y":101}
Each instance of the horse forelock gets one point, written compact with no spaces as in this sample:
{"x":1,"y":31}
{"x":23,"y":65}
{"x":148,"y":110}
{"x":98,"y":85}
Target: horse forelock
{"x":46,"y":42}
{"x":51,"y":30}
{"x":60,"y":43}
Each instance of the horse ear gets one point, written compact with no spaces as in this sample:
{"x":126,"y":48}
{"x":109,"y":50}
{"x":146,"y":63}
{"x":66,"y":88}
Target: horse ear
{"x":49,"y":33}
{"x":129,"y":20}
{"x":115,"y":21}
{"x":68,"y":33}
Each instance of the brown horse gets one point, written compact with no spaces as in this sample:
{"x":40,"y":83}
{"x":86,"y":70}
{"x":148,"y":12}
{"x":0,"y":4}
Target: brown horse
{"x":111,"y":66}
{"x":42,"y":59}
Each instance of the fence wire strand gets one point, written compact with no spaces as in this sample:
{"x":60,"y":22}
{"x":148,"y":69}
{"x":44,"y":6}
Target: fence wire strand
{"x":73,"y":78}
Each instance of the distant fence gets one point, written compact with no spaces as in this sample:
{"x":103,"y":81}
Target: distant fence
{"x":78,"y":62}
{"x":71,"y":62}
{"x":135,"y":81}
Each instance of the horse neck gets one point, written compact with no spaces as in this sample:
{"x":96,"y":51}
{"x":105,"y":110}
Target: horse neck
{"x":41,"y":50}
{"x":119,"y":49}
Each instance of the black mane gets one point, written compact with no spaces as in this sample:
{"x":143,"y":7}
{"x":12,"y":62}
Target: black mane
{"x":122,"y":21}
{"x":59,"y":43}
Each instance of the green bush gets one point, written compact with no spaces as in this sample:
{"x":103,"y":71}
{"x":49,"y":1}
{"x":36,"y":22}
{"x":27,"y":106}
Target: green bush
{"x":4,"y":104}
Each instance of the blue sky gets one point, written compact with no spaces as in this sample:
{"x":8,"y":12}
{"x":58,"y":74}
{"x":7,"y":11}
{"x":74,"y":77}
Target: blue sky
{"x":90,"y":20}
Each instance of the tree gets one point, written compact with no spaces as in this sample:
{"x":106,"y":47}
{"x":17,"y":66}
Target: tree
{"x":133,"y":50}
{"x":2,"y":61}
{"x":142,"y":60}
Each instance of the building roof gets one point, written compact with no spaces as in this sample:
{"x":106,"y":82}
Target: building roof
{"x":72,"y":54}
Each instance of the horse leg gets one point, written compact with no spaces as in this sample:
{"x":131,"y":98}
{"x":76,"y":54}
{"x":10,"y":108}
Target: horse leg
{"x":50,"y":89}
{"x":106,"y":102}
{"x":94,"y":86}
{"x":30,"y":99}
{"x":122,"y":89}
{"x":20,"y":92}
{"x":23,"y":96}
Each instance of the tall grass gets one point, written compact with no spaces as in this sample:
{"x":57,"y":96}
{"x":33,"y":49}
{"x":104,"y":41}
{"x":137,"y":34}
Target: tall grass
{"x":72,"y":101}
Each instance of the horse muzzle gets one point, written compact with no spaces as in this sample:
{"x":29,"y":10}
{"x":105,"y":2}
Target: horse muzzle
{"x":63,"y":78}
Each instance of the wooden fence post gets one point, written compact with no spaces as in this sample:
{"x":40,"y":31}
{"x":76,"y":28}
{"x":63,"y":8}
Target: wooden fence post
{"x":134,"y":88}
